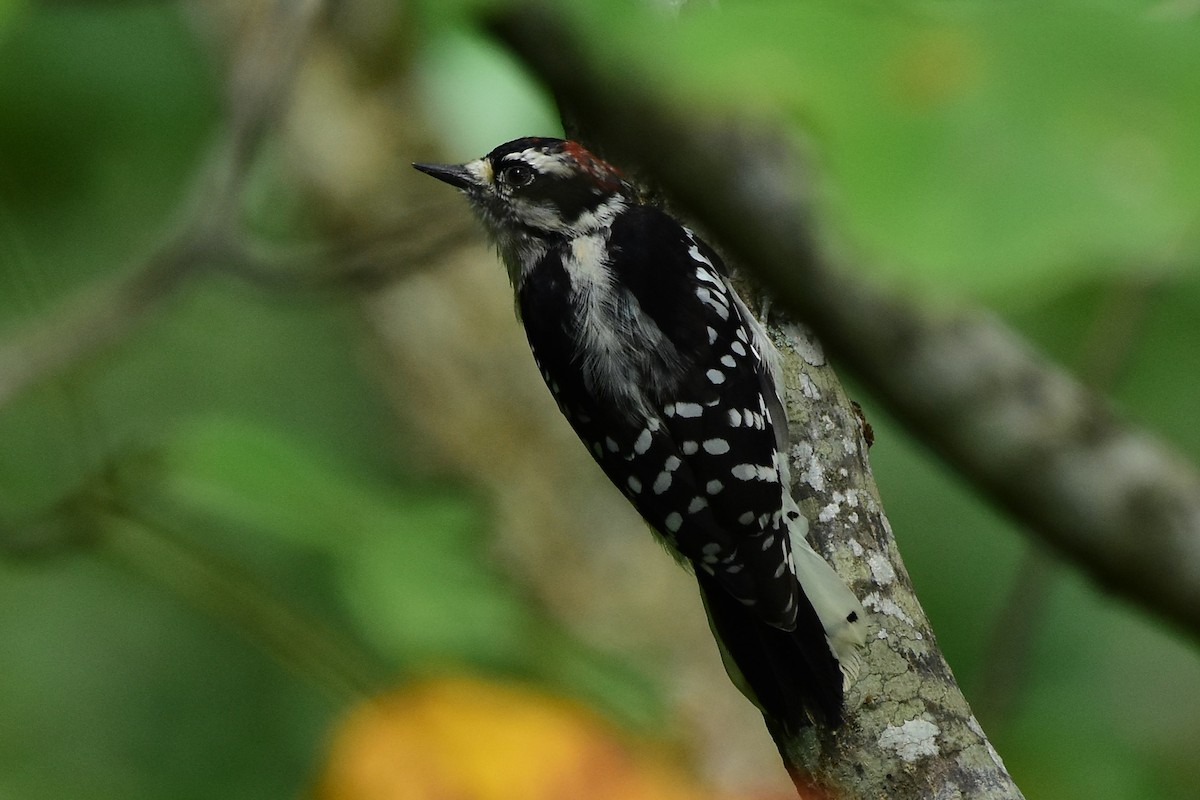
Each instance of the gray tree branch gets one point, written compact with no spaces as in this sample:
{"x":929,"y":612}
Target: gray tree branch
{"x":910,"y":732}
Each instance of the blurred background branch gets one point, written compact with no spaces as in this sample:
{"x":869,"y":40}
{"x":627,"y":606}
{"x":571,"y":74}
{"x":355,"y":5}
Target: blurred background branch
{"x":1107,"y":353}
{"x":209,"y":226}
{"x":210,"y":237}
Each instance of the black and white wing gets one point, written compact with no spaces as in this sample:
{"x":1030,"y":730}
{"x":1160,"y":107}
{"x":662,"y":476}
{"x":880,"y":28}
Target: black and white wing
{"x":681,"y":412}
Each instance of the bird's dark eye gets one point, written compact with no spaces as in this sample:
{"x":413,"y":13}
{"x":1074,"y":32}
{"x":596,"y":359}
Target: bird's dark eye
{"x":517,"y":175}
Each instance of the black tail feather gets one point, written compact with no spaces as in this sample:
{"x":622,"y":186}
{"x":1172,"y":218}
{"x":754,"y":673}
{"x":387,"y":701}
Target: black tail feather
{"x":793,"y":675}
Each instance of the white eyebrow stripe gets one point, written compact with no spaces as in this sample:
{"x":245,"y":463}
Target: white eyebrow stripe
{"x":545,"y":163}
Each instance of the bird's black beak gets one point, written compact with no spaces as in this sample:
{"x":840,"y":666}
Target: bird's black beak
{"x":454,"y":174}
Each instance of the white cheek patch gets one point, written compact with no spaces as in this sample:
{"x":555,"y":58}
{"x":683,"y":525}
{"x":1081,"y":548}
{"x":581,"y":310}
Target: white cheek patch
{"x":544,"y":215}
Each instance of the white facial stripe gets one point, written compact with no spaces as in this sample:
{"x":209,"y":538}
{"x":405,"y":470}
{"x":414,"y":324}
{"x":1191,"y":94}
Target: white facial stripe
{"x":542,"y":215}
{"x":545,"y":215}
{"x":601,"y":216}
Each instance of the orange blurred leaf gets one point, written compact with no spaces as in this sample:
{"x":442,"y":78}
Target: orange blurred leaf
{"x":470,"y":739}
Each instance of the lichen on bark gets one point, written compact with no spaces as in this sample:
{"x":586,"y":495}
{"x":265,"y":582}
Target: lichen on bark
{"x":909,"y":731}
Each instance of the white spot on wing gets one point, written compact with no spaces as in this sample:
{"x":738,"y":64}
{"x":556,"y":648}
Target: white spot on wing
{"x":673,"y":521}
{"x":716,"y":302}
{"x":707,"y":276}
{"x":688,"y":410}
{"x":716,"y":447}
{"x":695,"y":253}
{"x":745,"y":472}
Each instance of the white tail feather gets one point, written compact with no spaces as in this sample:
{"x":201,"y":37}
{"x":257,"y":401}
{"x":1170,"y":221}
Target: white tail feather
{"x":840,"y":612}
{"x":842,"y":615}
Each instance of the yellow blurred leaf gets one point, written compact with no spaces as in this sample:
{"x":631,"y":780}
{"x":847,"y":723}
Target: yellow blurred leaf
{"x":470,"y":739}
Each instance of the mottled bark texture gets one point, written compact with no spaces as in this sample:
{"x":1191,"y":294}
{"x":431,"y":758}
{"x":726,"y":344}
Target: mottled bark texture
{"x":910,"y":733}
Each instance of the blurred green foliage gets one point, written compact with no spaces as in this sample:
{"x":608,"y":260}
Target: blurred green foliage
{"x":1041,"y":156}
{"x":105,"y":113}
{"x":249,"y":445}
{"x":466,"y":78}
{"x":982,"y":147}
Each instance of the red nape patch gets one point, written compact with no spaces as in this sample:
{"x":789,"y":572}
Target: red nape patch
{"x":603,"y":172}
